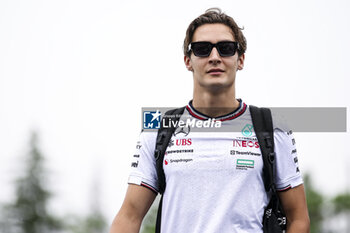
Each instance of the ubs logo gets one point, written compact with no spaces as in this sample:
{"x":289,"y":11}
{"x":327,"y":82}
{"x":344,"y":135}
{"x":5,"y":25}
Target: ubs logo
{"x":181,"y":142}
{"x":184,"y":142}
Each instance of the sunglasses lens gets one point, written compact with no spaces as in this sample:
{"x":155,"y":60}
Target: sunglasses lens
{"x":201,"y":49}
{"x":227,"y":49}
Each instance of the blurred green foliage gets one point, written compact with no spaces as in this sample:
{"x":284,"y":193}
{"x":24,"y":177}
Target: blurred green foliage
{"x":93,"y":223}
{"x":29,"y":213}
{"x":149,"y":222}
{"x":342,"y":203}
{"x":315,"y":202}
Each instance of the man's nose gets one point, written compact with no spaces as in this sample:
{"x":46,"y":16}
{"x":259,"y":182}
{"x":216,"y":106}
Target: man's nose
{"x":214,"y":56}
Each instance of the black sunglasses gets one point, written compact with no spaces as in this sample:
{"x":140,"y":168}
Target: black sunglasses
{"x":204,"y":48}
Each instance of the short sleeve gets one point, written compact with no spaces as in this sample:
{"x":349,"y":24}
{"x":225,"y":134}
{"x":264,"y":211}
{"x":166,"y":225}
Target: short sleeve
{"x":143,"y":166}
{"x":287,"y":165}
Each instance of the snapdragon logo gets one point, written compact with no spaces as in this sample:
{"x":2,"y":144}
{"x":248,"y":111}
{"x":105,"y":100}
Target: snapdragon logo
{"x":191,"y":123}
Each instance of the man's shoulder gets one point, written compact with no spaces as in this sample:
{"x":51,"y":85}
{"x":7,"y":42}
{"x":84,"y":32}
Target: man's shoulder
{"x":280,"y":123}
{"x":148,"y":137}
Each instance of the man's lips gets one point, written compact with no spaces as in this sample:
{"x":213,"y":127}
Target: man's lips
{"x":215,"y":71}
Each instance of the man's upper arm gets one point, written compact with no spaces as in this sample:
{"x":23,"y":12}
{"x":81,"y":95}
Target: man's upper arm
{"x":295,"y":207}
{"x":138,"y":200}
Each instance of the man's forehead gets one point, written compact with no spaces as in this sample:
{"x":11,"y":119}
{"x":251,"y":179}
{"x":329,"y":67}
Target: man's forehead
{"x":213,"y":33}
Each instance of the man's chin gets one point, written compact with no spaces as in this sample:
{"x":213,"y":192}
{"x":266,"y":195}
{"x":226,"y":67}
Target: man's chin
{"x":218,"y":86}
{"x":218,"y":81}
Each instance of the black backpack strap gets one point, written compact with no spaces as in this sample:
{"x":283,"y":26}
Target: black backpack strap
{"x":274,"y":219}
{"x":262,"y":122}
{"x":162,"y":142}
{"x":163,"y":138}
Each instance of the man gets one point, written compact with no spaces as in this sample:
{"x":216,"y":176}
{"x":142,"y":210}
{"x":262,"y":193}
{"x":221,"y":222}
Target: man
{"x":214,"y":179}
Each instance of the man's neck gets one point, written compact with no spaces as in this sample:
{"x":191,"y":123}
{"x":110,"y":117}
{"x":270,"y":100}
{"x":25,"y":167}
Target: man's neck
{"x":215,"y":104}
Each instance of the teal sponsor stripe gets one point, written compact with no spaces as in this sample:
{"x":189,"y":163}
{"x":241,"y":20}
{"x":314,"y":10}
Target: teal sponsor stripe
{"x":245,"y":162}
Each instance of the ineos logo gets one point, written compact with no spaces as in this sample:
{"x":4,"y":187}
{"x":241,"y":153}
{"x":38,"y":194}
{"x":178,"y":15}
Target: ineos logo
{"x":245,"y":143}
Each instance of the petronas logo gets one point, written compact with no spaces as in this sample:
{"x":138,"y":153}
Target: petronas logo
{"x":247,"y":130}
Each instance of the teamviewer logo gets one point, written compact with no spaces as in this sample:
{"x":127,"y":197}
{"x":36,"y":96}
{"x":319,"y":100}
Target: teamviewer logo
{"x":151,"y":119}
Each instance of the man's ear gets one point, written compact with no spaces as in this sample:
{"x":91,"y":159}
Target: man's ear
{"x":188,"y":63}
{"x":241,"y":62}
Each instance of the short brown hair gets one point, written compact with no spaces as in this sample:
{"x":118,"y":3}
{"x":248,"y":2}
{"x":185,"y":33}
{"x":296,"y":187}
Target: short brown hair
{"x":211,"y":16}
